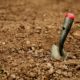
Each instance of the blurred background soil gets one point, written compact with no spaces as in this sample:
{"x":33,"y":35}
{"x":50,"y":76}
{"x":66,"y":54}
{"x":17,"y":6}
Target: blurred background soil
{"x":28,"y":29}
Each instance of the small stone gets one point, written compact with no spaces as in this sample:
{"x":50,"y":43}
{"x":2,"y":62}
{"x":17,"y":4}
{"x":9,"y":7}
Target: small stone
{"x":30,"y":52}
{"x":21,"y":52}
{"x":69,"y":74}
{"x":36,"y":53}
{"x":58,"y":71}
{"x":3,"y":43}
{"x":33,"y":48}
{"x":63,"y":67}
{"x":13,"y":76}
{"x":38,"y":31}
{"x":41,"y":50}
{"x":38,"y":28}
{"x":28,"y":42}
{"x":49,"y":65}
{"x":46,"y":32}
{"x":13,"y":50}
{"x":28,"y":27}
{"x":50,"y":26}
{"x":51,"y":70}
{"x":65,"y":73}
{"x":34,"y":45}
{"x":32,"y":74}
{"x":77,"y":34}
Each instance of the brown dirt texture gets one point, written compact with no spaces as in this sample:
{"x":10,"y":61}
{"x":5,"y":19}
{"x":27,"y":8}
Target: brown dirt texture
{"x":28,"y":29}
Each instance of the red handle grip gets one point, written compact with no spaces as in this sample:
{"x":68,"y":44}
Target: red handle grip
{"x":70,"y":15}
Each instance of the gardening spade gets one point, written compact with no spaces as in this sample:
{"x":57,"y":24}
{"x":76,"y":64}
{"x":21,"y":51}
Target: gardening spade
{"x":57,"y":52}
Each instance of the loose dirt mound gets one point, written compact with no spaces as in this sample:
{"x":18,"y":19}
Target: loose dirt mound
{"x":27,"y":31}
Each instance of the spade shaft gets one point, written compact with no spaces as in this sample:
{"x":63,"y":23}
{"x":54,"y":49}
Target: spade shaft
{"x":65,"y":30}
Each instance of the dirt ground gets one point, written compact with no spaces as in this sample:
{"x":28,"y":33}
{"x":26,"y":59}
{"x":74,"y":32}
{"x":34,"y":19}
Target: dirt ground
{"x":28,"y":29}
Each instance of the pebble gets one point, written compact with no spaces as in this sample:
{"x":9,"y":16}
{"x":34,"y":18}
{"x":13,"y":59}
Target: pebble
{"x":59,"y":71}
{"x":36,"y":53}
{"x":49,"y":65}
{"x":32,"y":74}
{"x":63,"y":67}
{"x":3,"y":43}
{"x":51,"y":70}
{"x":33,"y":45}
{"x":76,"y":34}
{"x":69,"y":74}
{"x":30,"y":52}
{"x":21,"y":52}
{"x":50,"y":26}
{"x":65,"y":73}
{"x":38,"y":30}
{"x":13,"y":49}
{"x":33,"y":48}
{"x":28,"y":42}
{"x":13,"y":76}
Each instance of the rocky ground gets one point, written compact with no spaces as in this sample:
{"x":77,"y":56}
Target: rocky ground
{"x":28,"y":29}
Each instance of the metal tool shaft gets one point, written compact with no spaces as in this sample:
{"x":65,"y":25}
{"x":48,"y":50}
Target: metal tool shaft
{"x":65,"y":30}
